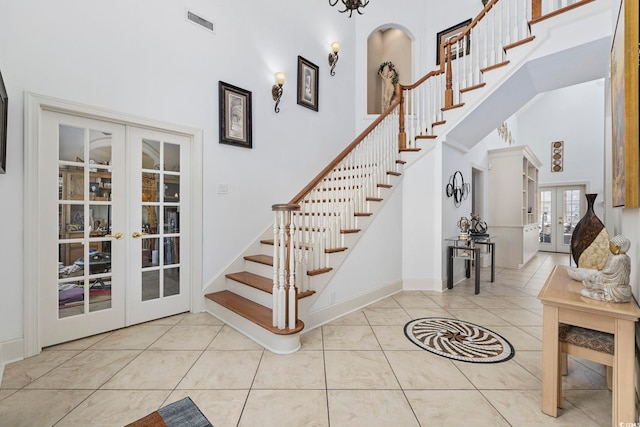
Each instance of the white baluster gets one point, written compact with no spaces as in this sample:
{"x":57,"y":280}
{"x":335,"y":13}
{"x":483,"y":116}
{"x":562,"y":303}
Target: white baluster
{"x":486,"y":41}
{"x":516,"y":20}
{"x":525,"y":24}
{"x":464,"y":60}
{"x":274,"y":291}
{"x":500,"y":22}
{"x":281,"y":304}
{"x":292,"y":278}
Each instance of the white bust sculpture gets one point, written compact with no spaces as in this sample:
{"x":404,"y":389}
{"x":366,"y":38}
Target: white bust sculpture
{"x":611,"y":284}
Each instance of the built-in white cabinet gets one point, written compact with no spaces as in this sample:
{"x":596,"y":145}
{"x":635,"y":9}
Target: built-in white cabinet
{"x":513,"y":204}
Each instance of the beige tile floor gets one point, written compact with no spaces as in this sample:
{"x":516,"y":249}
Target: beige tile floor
{"x":359,"y":370}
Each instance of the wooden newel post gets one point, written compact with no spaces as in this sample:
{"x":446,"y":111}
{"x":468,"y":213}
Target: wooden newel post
{"x":448,"y":93}
{"x":536,"y":9}
{"x":402,"y":136}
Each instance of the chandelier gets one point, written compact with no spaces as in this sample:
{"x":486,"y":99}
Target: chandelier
{"x":350,"y":5}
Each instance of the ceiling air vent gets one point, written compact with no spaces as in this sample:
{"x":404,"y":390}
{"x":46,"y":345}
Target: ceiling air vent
{"x":200,"y":21}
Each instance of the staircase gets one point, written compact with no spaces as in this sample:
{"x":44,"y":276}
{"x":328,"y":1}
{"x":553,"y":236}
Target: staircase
{"x":268,"y":292}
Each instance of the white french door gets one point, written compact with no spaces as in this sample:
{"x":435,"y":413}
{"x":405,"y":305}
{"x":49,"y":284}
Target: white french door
{"x":110,"y":246}
{"x":560,"y":209}
{"x":158,"y":283}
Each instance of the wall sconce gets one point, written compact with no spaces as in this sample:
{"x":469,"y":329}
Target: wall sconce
{"x":333,"y":56}
{"x":276,"y":89}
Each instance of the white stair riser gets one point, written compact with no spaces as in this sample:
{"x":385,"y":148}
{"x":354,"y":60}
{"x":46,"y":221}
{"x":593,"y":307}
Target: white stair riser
{"x":250,"y":293}
{"x":259,"y":269}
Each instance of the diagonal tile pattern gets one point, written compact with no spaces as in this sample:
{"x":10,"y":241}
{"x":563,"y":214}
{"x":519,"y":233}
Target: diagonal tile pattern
{"x":359,"y":370}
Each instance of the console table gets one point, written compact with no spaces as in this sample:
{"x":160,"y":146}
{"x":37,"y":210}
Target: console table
{"x":469,"y":251}
{"x":562,"y":303}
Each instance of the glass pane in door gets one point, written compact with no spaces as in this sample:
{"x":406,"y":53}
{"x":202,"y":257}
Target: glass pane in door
{"x":160,"y":227}
{"x":571,"y":209}
{"x":546,"y":216}
{"x":84,"y":220}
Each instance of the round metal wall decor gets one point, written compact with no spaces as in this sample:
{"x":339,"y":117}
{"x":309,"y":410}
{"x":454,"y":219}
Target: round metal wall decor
{"x":457,"y":189}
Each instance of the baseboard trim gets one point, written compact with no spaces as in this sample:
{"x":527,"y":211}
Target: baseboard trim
{"x":327,"y":314}
{"x":424,"y":284}
{"x":10,"y":351}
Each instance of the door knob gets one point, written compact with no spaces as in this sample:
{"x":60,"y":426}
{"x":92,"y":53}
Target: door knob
{"x":116,"y":236}
{"x":136,"y":234}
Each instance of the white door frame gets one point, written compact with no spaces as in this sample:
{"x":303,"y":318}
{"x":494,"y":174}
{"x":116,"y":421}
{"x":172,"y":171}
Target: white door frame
{"x":34,"y":105}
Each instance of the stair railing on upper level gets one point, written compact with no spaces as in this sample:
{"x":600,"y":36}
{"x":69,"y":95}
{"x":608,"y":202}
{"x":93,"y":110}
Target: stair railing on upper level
{"x":479,"y":47}
{"x":315,"y":222}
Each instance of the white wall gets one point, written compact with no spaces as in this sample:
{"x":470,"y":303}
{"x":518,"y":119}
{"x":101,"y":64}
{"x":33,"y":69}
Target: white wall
{"x":422,"y":22}
{"x":145,"y":59}
{"x":375,"y":261}
{"x":575,"y":115}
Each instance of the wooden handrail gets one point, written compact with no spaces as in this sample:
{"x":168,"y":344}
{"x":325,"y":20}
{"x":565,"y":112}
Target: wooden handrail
{"x":344,"y":153}
{"x":422,"y":79}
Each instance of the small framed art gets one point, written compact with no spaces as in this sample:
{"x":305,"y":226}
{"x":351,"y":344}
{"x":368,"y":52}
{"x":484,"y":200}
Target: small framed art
{"x":307,"y":84}
{"x":235,"y":115}
{"x":557,"y":154}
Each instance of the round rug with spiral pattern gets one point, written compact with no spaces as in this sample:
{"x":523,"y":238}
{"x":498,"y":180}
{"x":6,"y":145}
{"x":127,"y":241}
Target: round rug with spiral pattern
{"x":458,"y":340}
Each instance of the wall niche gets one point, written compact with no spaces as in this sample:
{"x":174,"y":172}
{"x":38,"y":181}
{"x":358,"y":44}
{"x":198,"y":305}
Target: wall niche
{"x":386,"y":45}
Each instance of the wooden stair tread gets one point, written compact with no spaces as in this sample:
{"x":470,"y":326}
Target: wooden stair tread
{"x":474,"y":87}
{"x":350,"y":231}
{"x":316,"y":272}
{"x":451,"y":107}
{"x":394,"y":173}
{"x":334,"y":250}
{"x":438,"y":123}
{"x":253,"y":280}
{"x":519,"y":43}
{"x":494,"y":66}
{"x":265,"y":284}
{"x":256,"y":313}
{"x":426,"y":136}
{"x":260,"y":259}
{"x":374,"y":199}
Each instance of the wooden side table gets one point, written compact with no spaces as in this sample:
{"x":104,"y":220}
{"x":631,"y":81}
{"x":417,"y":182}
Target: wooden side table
{"x":562,"y":303}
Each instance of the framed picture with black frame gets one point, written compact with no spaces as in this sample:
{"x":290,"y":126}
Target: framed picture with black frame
{"x":307,"y":84}
{"x":235,"y":115}
{"x":451,"y":33}
{"x":4,"y":108}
